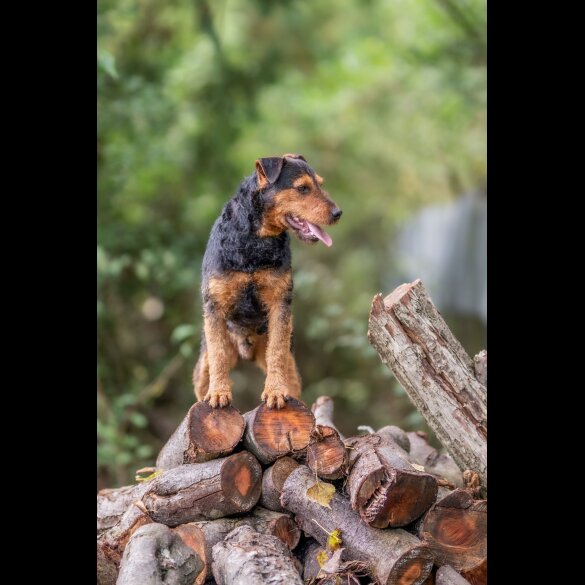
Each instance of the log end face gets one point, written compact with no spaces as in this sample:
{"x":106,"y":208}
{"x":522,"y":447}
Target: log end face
{"x":412,"y":568}
{"x":213,"y":432}
{"x":241,"y":481}
{"x":192,"y":537}
{"x":403,"y":499}
{"x":287,"y":530}
{"x":401,"y":293}
{"x":285,"y":431}
{"x":327,"y":455}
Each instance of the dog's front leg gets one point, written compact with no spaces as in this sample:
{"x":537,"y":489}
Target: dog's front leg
{"x":276,"y":387}
{"x":221,"y":355}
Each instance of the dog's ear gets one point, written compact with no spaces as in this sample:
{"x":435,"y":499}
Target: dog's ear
{"x":268,"y":170}
{"x":289,"y":155}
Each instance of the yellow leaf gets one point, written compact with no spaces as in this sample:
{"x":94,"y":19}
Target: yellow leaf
{"x":334,"y":541}
{"x":321,"y":493}
{"x":418,"y":467}
{"x":148,"y":477}
{"x":322,"y":558}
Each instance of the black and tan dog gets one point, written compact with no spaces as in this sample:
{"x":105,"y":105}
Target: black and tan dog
{"x":247,"y":282}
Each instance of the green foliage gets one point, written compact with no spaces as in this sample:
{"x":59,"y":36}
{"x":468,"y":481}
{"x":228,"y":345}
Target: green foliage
{"x":385,"y":98}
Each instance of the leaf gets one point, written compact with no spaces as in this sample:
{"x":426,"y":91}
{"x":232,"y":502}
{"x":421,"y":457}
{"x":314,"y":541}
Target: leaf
{"x":321,"y":493}
{"x":183,"y":332}
{"x":107,"y":62}
{"x":333,"y":564}
{"x":334,"y":541}
{"x":148,"y":477}
{"x":322,"y":558}
{"x":418,"y":467}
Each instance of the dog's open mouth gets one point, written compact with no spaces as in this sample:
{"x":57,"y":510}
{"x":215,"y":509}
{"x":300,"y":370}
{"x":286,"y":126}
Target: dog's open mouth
{"x":308,"y":231}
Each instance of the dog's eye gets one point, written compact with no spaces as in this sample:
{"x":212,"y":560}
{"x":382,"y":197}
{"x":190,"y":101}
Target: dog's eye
{"x":303,"y":189}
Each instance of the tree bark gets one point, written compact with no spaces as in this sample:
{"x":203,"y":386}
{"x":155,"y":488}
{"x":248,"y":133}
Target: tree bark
{"x":480,"y":366}
{"x":448,"y":576}
{"x":383,"y":485}
{"x":204,"y":434}
{"x":399,"y":436}
{"x":282,"y":526}
{"x":111,"y":544}
{"x":193,"y":537}
{"x":273,"y":480}
{"x":393,"y":556}
{"x":439,"y":465}
{"x":455,"y":529}
{"x":414,"y":341}
{"x":311,"y":565}
{"x":155,"y":555}
{"x":194,"y":491}
{"x":272,"y":433}
{"x":113,"y":503}
{"x":326,"y":453}
{"x":246,"y":557}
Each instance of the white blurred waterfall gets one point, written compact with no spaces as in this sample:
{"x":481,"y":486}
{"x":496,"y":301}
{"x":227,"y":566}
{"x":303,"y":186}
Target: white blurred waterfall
{"x":446,"y":247}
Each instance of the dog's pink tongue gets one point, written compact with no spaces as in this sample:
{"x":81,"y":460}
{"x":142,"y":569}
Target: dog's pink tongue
{"x":319,"y":233}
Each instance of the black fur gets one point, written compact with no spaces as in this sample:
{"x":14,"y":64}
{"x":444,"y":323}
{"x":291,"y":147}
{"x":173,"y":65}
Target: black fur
{"x":234,"y":245}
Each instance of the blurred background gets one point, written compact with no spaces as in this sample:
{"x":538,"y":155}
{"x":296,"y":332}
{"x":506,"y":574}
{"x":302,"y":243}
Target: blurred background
{"x":387,"y":101}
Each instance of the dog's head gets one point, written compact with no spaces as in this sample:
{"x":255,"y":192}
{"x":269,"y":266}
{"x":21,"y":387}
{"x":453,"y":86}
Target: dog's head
{"x":293,"y":198}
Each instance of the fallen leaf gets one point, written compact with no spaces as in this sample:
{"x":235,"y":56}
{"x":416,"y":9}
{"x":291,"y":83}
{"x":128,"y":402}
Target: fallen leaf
{"x":322,"y":557}
{"x":418,"y":467}
{"x":332,"y":565}
{"x":148,"y":477}
{"x":334,"y":541}
{"x":321,"y":493}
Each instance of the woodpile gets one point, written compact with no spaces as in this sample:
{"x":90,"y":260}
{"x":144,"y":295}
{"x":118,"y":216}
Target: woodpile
{"x":282,"y":497}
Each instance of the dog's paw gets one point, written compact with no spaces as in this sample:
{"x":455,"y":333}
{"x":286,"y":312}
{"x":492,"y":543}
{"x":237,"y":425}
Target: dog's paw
{"x":275,"y":397}
{"x":218,"y":398}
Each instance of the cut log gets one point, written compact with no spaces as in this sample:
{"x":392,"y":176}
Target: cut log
{"x":198,"y":491}
{"x":272,"y":433}
{"x":113,"y":503}
{"x":383,"y":485}
{"x":449,"y":576}
{"x":273,"y":480}
{"x":414,"y":341}
{"x":323,"y":409}
{"x":111,"y":544}
{"x":439,"y":465}
{"x":311,"y":566}
{"x":201,"y":536}
{"x":326,"y":453}
{"x":194,"y":491}
{"x":155,"y":555}
{"x":204,"y":434}
{"x":399,"y":436}
{"x":193,"y":537}
{"x":282,"y":526}
{"x":331,"y":570}
{"x":455,"y":529}
{"x":393,"y":556}
{"x":480,"y":366}
{"x":246,"y":557}
{"x":477,"y":575}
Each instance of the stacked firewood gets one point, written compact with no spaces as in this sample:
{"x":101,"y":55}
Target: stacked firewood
{"x":281,"y":497}
{"x":233,"y":496}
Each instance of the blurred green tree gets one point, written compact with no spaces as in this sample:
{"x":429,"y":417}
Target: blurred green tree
{"x":387,"y":101}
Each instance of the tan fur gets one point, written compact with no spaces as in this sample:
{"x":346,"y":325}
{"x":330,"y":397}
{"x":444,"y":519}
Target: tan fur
{"x":314,"y":206}
{"x":271,"y":352}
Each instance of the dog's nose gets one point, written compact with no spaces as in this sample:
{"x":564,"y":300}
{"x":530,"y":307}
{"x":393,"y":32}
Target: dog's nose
{"x":336,"y":213}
